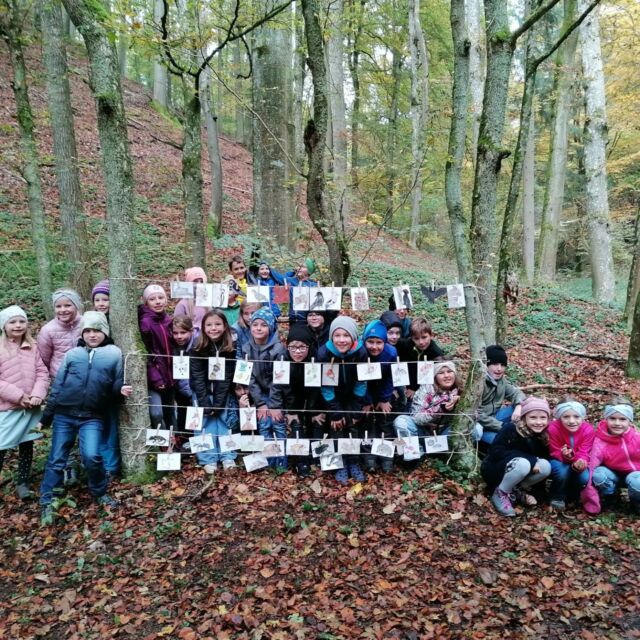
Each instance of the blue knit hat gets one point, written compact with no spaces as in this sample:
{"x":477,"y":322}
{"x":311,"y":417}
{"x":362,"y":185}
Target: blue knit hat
{"x":375,"y":329}
{"x":265,"y":314}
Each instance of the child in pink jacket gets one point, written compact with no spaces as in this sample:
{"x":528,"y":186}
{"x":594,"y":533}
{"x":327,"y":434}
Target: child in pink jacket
{"x":570,"y":442}
{"x":24,"y":382}
{"x":615,"y":458}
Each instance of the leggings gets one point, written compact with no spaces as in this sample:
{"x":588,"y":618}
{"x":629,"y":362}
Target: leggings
{"x":25,"y":458}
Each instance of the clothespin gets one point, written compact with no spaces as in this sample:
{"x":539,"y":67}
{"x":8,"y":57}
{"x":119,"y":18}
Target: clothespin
{"x":359,"y":284}
{"x":433,"y":285}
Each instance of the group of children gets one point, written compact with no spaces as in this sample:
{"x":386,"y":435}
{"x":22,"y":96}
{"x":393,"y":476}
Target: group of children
{"x":75,"y":354}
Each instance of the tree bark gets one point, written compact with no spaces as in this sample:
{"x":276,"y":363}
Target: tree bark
{"x":633,"y":286}
{"x":11,"y":33}
{"x":392,"y":131}
{"x":595,"y":163}
{"x":215,"y":160}
{"x":477,"y":66}
{"x":92,"y":20}
{"x":354,"y":70}
{"x":529,"y":204}
{"x":74,"y":230}
{"x":160,"y":73}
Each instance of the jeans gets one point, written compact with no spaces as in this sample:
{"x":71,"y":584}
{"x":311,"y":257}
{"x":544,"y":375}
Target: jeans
{"x":216,"y":426}
{"x":485,"y":435}
{"x":65,"y":431}
{"x":607,"y":482}
{"x":110,"y":448}
{"x":406,"y":426}
{"x":565,"y":481}
{"x":270,"y":428}
{"x":161,"y":408}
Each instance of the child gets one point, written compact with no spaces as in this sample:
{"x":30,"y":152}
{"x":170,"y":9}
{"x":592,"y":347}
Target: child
{"x":186,"y":306}
{"x":88,"y":382}
{"x":615,"y":457}
{"x":394,"y":327}
{"x":100,"y":297}
{"x":241,"y":328}
{"x":516,"y":459}
{"x":345,"y":401}
{"x":215,"y":340}
{"x":242,"y":277}
{"x":302,"y":404}
{"x":155,"y":329}
{"x":60,"y":334}
{"x":269,"y":277}
{"x":501,"y":400}
{"x":232,"y":312}
{"x":379,"y":392}
{"x":262,"y":349}
{"x":182,"y":340}
{"x":299,"y":277}
{"x":570,"y":442}
{"x":319,"y":327}
{"x":432,"y":403}
{"x":403,"y":315}
{"x":24,"y":381}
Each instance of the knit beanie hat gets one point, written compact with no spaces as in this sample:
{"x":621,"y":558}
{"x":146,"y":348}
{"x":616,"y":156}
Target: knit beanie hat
{"x":71,"y":295}
{"x":391,"y":319}
{"x":346,"y":323}
{"x":95,"y":320}
{"x":625,"y":409}
{"x":101,"y":287}
{"x":193,"y":273}
{"x":440,"y":365}
{"x":14,"y":311}
{"x":311,"y":265}
{"x":266,"y":315}
{"x":375,"y":329}
{"x":496,"y":355}
{"x":152,"y":289}
{"x":300,"y":332}
{"x":535,"y":404}
{"x":571,"y":405}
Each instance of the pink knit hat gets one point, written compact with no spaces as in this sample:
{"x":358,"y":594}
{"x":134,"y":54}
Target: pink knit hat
{"x":535,"y":404}
{"x":193,"y":273}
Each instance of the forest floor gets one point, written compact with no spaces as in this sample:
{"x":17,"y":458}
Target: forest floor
{"x":406,"y":555}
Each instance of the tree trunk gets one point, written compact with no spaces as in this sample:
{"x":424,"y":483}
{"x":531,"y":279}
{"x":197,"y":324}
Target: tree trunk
{"x":315,"y":140}
{"x":354,"y":70}
{"x":529,"y":205}
{"x":299,"y":70}
{"x":392,"y":131}
{"x":74,"y":230}
{"x":633,"y":286}
{"x":632,"y":369}
{"x":215,"y":160}
{"x":243,"y":130}
{"x":477,"y":66}
{"x":556,"y":164}
{"x":419,"y":62}
{"x":91,"y":19}
{"x":160,"y":73}
{"x":595,"y":163}
{"x":11,"y":32}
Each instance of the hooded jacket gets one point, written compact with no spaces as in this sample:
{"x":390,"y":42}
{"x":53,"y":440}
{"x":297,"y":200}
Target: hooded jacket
{"x":55,"y":339}
{"x":581,"y":441}
{"x":617,"y":453}
{"x":155,"y":329}
{"x":493,"y":398}
{"x":261,"y":388}
{"x":212,"y":395}
{"x":21,"y":372}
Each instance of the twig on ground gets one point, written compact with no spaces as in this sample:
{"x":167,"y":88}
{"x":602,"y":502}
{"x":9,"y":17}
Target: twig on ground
{"x":581,"y":354}
{"x":578,"y":387}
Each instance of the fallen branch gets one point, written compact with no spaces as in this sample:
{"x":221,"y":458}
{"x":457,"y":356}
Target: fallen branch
{"x":198,"y":495}
{"x":579,"y":387}
{"x":580,"y":354}
{"x":171,"y":143}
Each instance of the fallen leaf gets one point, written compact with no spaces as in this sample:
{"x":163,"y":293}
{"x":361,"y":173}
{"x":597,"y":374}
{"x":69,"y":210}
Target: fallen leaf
{"x":390,"y":508}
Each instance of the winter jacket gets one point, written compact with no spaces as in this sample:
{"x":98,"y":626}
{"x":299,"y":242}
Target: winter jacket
{"x":22,"y":372}
{"x":186,"y":307}
{"x":155,"y":329}
{"x":242,"y":337}
{"x":87,"y":383}
{"x":349,"y":395}
{"x":320,"y":338}
{"x":382,"y":390}
{"x":55,"y":339}
{"x":232,"y":313}
{"x":495,"y":393}
{"x":617,"y":453}
{"x":508,"y":445}
{"x":182,"y":386}
{"x":427,"y":408}
{"x":410,"y":354}
{"x":261,"y":388}
{"x":211,"y":393}
{"x":297,"y":397}
{"x":581,"y":441}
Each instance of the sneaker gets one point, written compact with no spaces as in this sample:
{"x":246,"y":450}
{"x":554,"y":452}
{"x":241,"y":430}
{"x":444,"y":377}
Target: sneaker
{"x":70,"y":477}
{"x":342,"y":476}
{"x":502,"y":503}
{"x":47,"y":515}
{"x":210,"y":468}
{"x":107,"y":501}
{"x":357,"y":473}
{"x":229,"y":465}
{"x":24,"y":493}
{"x":370,"y":465}
{"x":558,"y":505}
{"x":303,"y":470}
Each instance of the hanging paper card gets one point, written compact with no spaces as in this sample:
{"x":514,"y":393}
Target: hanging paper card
{"x":217,"y":368}
{"x":194,"y":419}
{"x":384,"y":448}
{"x":316,"y":300}
{"x":332,"y":462}
{"x":273,"y":448}
{"x":281,"y":372}
{"x":425,"y":372}
{"x":281,"y":294}
{"x":251,"y":443}
{"x":399,"y":374}
{"x":230,"y":442}
{"x":359,"y":299}
{"x":254,"y":462}
{"x":301,"y":298}
{"x":181,"y":289}
{"x":455,"y":295}
{"x":248,"y":419}
{"x":220,"y":294}
{"x":330,"y":375}
{"x":436,"y":444}
{"x":322,"y":448}
{"x":242,"y":374}
{"x":402,"y":297}
{"x":349,"y":446}
{"x":332,"y":298}
{"x":168,"y":462}
{"x":258,"y":294}
{"x":158,"y":437}
{"x":411,"y":447}
{"x":369,"y":371}
{"x":298,"y":446}
{"x":204,"y":295}
{"x":180,"y":367}
{"x":201,"y":443}
{"x":312,"y":374}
